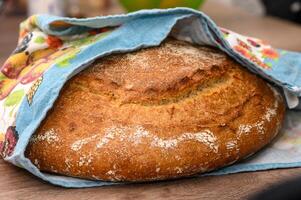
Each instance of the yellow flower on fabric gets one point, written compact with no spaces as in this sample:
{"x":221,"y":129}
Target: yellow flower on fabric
{"x":14,"y":65}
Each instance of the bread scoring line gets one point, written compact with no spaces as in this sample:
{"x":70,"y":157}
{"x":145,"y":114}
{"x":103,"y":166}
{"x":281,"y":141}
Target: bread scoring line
{"x":269,"y":114}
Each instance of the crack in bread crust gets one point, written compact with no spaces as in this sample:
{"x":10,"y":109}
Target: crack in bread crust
{"x":158,"y":113}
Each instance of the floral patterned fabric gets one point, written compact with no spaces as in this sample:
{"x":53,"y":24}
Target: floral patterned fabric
{"x":22,"y":73}
{"x":53,"y":49}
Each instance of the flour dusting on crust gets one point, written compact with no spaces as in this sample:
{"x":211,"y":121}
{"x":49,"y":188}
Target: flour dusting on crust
{"x":180,"y":48}
{"x":77,"y":145}
{"x":231,"y":145}
{"x":205,"y":137}
{"x":138,"y":134}
{"x":85,"y":160}
{"x":244,"y":129}
{"x":50,"y":136}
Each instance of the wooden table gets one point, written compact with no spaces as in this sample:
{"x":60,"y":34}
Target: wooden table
{"x":16,"y":183}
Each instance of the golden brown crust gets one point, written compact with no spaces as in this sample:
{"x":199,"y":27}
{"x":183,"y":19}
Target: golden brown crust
{"x":159,"y":113}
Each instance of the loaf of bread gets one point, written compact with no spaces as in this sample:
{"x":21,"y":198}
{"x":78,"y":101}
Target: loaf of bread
{"x":157,"y":113}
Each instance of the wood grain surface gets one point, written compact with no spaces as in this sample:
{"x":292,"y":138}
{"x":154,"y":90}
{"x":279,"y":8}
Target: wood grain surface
{"x":16,"y":183}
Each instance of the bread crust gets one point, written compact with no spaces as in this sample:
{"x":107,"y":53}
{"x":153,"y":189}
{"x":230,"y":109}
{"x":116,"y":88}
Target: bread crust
{"x":158,"y":113}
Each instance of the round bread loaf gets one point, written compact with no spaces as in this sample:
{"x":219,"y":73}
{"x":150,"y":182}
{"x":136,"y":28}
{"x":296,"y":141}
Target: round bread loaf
{"x":158,"y":113}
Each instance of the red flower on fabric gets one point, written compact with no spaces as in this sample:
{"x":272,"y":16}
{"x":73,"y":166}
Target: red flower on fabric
{"x":270,"y":53}
{"x":97,"y":31}
{"x":8,"y":145}
{"x":253,"y":43}
{"x":54,"y":42}
{"x":247,"y":54}
{"x":259,"y":62}
{"x":1,"y":147}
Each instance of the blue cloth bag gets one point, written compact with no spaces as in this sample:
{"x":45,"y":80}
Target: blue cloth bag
{"x":70,"y":45}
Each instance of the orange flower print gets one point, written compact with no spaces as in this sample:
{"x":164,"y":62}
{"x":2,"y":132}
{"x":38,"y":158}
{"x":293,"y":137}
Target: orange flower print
{"x":247,"y":54}
{"x":243,"y":51}
{"x":54,"y":42}
{"x":270,"y":53}
{"x":259,"y":62}
{"x":22,"y":34}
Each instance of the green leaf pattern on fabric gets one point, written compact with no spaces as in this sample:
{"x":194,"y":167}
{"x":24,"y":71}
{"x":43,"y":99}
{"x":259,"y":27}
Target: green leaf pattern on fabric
{"x":39,"y":40}
{"x":89,"y":39}
{"x":14,"y":98}
{"x":2,"y":77}
{"x":65,"y":60}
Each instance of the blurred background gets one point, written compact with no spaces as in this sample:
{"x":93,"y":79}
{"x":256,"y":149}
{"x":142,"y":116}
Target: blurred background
{"x":285,"y":9}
